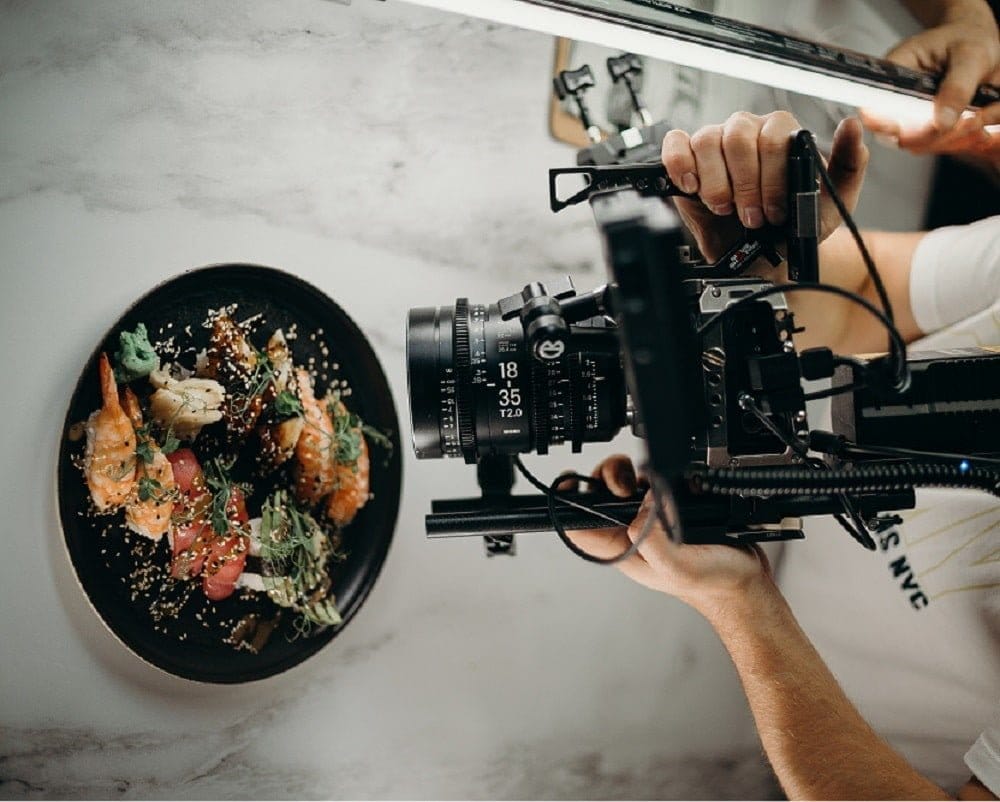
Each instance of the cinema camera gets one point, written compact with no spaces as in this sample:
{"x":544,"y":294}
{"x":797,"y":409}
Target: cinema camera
{"x":700,"y":361}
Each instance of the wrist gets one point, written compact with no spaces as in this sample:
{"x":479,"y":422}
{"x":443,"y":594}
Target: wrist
{"x":755,"y":603}
{"x":933,"y":15}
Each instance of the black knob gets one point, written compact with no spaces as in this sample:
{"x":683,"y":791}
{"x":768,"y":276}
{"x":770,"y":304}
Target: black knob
{"x":573,"y":83}
{"x":545,"y":330}
{"x":570,"y":83}
{"x":625,"y":64}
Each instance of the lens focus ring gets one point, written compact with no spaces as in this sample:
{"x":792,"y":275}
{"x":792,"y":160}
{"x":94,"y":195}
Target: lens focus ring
{"x":464,"y":387}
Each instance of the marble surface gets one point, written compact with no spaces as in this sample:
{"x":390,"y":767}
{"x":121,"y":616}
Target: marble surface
{"x":364,"y":149}
{"x":395,"y":157}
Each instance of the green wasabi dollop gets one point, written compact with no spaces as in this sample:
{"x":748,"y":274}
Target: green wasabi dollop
{"x":136,"y":356}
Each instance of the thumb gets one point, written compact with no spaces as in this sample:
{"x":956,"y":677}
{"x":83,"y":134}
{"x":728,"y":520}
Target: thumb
{"x":848,"y":160}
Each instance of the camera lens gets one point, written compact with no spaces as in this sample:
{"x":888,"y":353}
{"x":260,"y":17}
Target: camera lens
{"x":475,"y":389}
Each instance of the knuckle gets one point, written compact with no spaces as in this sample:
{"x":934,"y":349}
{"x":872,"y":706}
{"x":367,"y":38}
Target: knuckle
{"x":773,"y":145}
{"x":782,"y":116}
{"x":742,"y":118}
{"x":716,"y":195}
{"x":975,"y":49}
{"x":674,"y":141}
{"x":745,"y":185}
{"x":706,"y":138}
{"x":738,"y":138}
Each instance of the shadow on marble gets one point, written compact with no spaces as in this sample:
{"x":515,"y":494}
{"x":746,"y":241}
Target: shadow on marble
{"x":132,"y":767}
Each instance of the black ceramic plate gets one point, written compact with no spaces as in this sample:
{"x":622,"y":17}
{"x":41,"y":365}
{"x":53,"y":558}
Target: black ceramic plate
{"x":190,"y":642}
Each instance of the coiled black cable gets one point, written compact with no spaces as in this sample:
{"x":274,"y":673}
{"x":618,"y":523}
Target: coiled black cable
{"x":859,"y":479}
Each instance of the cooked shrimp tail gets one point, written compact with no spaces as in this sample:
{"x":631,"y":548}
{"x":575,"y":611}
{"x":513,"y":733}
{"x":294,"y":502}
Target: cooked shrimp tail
{"x":131,"y":406}
{"x":109,"y":461}
{"x":109,"y":387}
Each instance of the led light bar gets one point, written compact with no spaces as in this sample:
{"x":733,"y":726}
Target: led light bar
{"x":692,"y":38}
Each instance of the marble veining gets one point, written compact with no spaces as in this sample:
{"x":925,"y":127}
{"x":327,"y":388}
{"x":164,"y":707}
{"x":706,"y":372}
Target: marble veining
{"x":394,"y":157}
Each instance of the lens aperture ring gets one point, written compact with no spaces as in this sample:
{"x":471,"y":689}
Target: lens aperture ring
{"x":463,"y":384}
{"x":540,"y":406}
{"x":574,"y":418}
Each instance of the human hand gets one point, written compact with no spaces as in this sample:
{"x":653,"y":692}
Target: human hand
{"x":706,"y":577}
{"x":739,"y":171}
{"x":965,"y":47}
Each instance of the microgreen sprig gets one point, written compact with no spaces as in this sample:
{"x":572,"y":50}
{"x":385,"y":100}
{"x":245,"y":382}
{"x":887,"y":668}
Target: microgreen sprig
{"x":287,"y":405}
{"x":151,"y":489}
{"x":222,"y":486}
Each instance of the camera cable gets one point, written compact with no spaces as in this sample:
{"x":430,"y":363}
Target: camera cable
{"x":553,"y":496}
{"x":850,"y":519}
{"x":898,"y":351}
{"x":809,"y":286}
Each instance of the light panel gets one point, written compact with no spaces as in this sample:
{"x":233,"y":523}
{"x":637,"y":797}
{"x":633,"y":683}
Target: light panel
{"x":905,"y":109}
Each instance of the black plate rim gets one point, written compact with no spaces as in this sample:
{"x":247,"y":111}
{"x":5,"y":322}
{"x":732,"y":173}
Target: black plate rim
{"x":317,"y":643}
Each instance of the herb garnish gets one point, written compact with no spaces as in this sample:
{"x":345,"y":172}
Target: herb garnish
{"x":218,"y":479}
{"x":143,"y":445}
{"x":345,"y":446}
{"x":170,"y":442}
{"x":256,"y":383}
{"x":150,"y":489}
{"x":286,"y":404}
{"x":378,"y":437}
{"x":294,"y":550}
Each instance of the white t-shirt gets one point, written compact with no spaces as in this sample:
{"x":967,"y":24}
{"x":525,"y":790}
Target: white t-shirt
{"x":912,"y":632}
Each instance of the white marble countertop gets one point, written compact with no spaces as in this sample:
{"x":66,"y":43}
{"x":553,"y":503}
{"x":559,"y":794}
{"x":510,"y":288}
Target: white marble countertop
{"x":394,"y":157}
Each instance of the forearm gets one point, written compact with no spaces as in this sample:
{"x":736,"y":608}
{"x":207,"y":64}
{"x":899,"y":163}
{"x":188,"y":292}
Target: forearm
{"x":931,"y":13}
{"x":845,"y":326}
{"x":818,"y":744}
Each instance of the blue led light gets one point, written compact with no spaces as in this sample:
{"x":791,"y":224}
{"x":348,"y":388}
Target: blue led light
{"x":963,"y":466}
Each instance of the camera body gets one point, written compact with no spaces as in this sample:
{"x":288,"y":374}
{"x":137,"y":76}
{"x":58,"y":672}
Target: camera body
{"x":690,"y":384}
{"x":549,"y":365}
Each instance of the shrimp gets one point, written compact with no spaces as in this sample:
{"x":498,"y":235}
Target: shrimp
{"x":109,"y":461}
{"x":351,"y":491}
{"x":351,"y":485}
{"x":314,"y":468}
{"x":148,"y":511}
